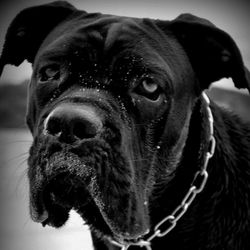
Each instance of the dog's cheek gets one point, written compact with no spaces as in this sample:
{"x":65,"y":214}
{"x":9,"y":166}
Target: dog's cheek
{"x":146,"y":111}
{"x":174,"y":139}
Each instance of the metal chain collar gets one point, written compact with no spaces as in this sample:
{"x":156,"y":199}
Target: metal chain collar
{"x":197,"y":185}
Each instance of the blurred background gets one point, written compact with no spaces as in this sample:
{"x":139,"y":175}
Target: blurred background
{"x":17,"y":231}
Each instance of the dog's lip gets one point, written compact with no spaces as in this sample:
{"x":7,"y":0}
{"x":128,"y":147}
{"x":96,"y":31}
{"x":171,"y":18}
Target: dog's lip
{"x":39,"y":217}
{"x":41,"y":214}
{"x":38,"y":212}
{"x":43,"y":206}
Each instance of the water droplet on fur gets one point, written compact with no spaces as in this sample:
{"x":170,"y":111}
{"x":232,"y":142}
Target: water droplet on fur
{"x":133,"y":101}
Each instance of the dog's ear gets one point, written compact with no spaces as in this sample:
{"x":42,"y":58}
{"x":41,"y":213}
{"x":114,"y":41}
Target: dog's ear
{"x":27,"y":31}
{"x":212,"y":52}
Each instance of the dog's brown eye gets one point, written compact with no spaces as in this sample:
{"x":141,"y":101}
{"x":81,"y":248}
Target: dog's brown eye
{"x":149,"y":86}
{"x":49,"y":73}
{"x":149,"y":89}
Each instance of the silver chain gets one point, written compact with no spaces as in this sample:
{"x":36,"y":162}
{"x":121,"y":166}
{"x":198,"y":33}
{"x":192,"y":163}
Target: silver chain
{"x":197,"y":185}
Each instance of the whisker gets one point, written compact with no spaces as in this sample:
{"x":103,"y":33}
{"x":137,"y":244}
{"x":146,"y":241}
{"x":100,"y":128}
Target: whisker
{"x":21,"y":178}
{"x":19,"y":141}
{"x":27,"y":221}
{"x":21,"y":156}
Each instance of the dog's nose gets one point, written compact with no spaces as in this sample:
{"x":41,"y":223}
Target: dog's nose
{"x":73,"y":122}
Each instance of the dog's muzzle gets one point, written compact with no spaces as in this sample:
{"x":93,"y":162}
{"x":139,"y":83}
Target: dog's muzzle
{"x":81,"y":160}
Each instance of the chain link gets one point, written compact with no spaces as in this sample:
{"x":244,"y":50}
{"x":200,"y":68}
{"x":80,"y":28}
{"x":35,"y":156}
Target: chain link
{"x":197,"y":185}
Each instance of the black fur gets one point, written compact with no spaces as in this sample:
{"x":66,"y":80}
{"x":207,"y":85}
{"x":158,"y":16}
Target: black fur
{"x":120,"y":127}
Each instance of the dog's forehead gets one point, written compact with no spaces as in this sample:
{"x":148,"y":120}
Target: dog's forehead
{"x":97,"y":31}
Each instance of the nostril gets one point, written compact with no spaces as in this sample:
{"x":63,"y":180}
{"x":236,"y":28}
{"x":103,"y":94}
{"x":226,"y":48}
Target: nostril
{"x":84,"y":129}
{"x":53,"y":126}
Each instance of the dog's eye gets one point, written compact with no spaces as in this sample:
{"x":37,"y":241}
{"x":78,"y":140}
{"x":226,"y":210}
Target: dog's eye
{"x":49,"y":73}
{"x":149,"y":89}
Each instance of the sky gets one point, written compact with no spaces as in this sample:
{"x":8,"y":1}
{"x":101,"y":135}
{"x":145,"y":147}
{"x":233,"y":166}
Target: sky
{"x":230,"y":15}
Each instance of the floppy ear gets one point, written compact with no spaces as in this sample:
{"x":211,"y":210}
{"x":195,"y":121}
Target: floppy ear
{"x":212,"y":52}
{"x":27,"y":31}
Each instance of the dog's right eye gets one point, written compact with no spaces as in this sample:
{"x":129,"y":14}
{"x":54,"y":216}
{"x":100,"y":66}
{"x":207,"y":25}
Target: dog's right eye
{"x":49,"y":73}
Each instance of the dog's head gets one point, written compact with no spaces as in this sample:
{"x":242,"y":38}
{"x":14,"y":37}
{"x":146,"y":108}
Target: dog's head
{"x":110,"y":103}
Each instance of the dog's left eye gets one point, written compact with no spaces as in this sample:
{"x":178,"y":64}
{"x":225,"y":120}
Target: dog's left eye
{"x":49,"y":73}
{"x":149,"y":89}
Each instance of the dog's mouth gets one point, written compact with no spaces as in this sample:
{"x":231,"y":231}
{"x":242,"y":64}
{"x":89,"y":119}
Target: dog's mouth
{"x":65,"y":187}
{"x":103,"y":197}
{"x":56,"y":190}
{"x":51,"y":205}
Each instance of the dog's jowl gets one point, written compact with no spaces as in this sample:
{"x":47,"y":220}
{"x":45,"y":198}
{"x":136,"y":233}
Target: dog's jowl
{"x":124,"y":134}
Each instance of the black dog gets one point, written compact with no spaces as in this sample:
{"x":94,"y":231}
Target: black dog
{"x":123,"y":133}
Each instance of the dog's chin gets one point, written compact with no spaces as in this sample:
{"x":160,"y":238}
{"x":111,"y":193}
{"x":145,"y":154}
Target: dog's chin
{"x":68,"y":187}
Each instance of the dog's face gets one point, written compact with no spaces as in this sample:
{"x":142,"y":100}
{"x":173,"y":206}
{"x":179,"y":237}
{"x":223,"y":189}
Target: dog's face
{"x":109,"y":107}
{"x":102,"y":102}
